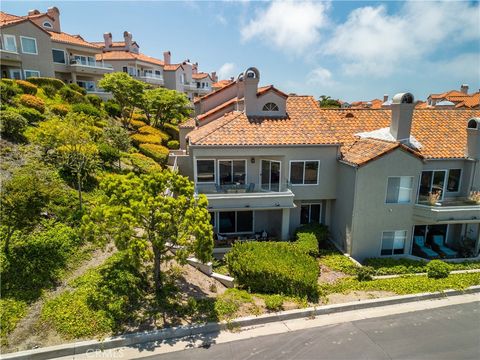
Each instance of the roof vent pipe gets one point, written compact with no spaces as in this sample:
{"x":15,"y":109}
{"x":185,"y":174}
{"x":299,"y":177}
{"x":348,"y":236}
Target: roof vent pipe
{"x":402,"y":116}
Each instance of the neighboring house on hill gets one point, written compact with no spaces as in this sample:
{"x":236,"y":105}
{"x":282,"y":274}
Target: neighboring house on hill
{"x":268,"y":161}
{"x":34,"y":45}
{"x":217,"y":85}
{"x":456,"y":99}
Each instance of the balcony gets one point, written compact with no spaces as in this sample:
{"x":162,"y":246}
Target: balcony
{"x":152,"y":79}
{"x":90,"y":67}
{"x":247,"y":196}
{"x":448,"y":211}
{"x":189,"y":86}
{"x":9,"y":56}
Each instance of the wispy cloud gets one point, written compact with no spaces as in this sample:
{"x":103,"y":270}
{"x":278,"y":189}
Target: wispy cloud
{"x":221,"y":19}
{"x":227,"y":70}
{"x":320,"y":76}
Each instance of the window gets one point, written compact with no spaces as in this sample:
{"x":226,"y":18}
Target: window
{"x":31,"y":73}
{"x":453,"y":183}
{"x":16,"y":74}
{"x":393,"y":242}
{"x":399,"y":190}
{"x":47,"y":25}
{"x":232,"y":171}
{"x":304,"y":172}
{"x":85,"y":60}
{"x":310,"y":213}
{"x":87,"y":85}
{"x":205,"y":171}
{"x":29,"y":45}
{"x":9,"y":43}
{"x":158,"y":73}
{"x":235,"y":222}
{"x":431,"y":181}
{"x":59,"y":56}
{"x":270,"y":107}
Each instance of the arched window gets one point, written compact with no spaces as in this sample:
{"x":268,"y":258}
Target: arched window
{"x":47,"y":24}
{"x":270,"y":107}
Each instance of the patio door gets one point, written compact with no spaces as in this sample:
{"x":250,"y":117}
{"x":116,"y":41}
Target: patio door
{"x":432,"y":181}
{"x":270,"y":175}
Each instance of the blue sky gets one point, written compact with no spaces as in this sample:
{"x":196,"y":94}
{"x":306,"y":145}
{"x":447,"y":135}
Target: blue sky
{"x":353,"y":50}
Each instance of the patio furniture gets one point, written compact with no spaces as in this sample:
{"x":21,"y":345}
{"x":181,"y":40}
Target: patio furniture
{"x":444,"y":250}
{"x":419,"y":242}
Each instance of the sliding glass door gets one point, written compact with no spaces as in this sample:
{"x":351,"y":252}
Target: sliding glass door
{"x":432,"y":182}
{"x":270,"y":175}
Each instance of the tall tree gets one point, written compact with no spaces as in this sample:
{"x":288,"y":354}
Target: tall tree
{"x":327,"y":102}
{"x":157,"y":211}
{"x":127,"y":92}
{"x":165,"y":106}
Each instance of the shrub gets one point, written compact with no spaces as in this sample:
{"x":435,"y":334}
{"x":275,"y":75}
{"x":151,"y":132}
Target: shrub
{"x":150,"y":130}
{"x":31,"y":115}
{"x":70,"y":96}
{"x":43,"y":81}
{"x":77,"y":88}
{"x":273,"y":268}
{"x":108,"y":154}
{"x":8,"y":90}
{"x":139,"y":117}
{"x":172,"y":131}
{"x":138,"y":139}
{"x":173,"y":144}
{"x":137,"y":124}
{"x":274,"y":302}
{"x":320,"y":231}
{"x":59,"y":109}
{"x":228,"y":303}
{"x":33,"y":102}
{"x":112,"y":108}
{"x":307,"y":243}
{"x":11,"y":312}
{"x":27,"y":87}
{"x":158,"y":153}
{"x":337,"y":262}
{"x":365,"y":273}
{"x":95,"y":100}
{"x":12,"y":125}
{"x":389,"y":266}
{"x":143,"y":164}
{"x":49,"y":90}
{"x":86,"y":109}
{"x":438,"y":269}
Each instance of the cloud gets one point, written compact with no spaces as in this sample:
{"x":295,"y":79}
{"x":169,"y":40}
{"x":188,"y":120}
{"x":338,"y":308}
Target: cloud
{"x":320,"y":76}
{"x":373,"y":42}
{"x":227,"y":70}
{"x":221,"y":19}
{"x":288,"y":25}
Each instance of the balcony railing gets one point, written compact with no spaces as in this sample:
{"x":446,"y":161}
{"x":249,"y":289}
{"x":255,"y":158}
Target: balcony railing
{"x":449,"y":210}
{"x":156,"y":79}
{"x":241,"y":189}
{"x":449,"y":202}
{"x":91,"y":64}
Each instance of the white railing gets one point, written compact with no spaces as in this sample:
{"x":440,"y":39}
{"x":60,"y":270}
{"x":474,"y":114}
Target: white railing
{"x":90,"y":64}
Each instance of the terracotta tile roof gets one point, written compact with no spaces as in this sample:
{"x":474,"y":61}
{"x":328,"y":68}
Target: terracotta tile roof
{"x":447,"y":94}
{"x":65,"y":38}
{"x":302,"y":125}
{"x":127,"y":55}
{"x":190,"y":123}
{"x":215,"y":110}
{"x":213,"y":93}
{"x":221,"y":83}
{"x":201,"y":75}
{"x":171,"y":67}
{"x":372,"y":104}
{"x":7,"y":19}
{"x":365,"y":150}
{"x":472,"y":102}
{"x":264,"y":89}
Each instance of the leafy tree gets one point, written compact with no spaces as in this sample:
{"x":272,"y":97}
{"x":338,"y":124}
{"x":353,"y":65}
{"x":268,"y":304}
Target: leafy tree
{"x":126,"y":90}
{"x":163,"y":106}
{"x":118,"y":140}
{"x":327,"y":102}
{"x":157,"y":211}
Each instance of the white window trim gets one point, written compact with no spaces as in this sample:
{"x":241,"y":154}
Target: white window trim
{"x":86,"y":58}
{"x":459,"y":181}
{"x":6,"y":36}
{"x":196,"y":172}
{"x":217,"y":222}
{"x":218,"y":168}
{"x":442,"y":195}
{"x":310,"y":211}
{"x":16,"y":70}
{"x":270,"y":182}
{"x":64,"y":52}
{"x":25,"y":73}
{"x":304,"y":161}
{"x":29,"y":38}
{"x":411,"y":190}
{"x":47,"y":24}
{"x":404,"y":243}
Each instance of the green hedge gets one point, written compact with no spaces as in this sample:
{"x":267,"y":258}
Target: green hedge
{"x":87,"y":109}
{"x":8,"y":89}
{"x":71,"y":96}
{"x":273,"y":268}
{"x":12,"y":125}
{"x":308,"y":238}
{"x":26,"y":87}
{"x":33,"y":101}
{"x":158,"y":153}
{"x":31,"y":115}
{"x":42,"y":81}
{"x":171,"y":130}
{"x":389,"y":266}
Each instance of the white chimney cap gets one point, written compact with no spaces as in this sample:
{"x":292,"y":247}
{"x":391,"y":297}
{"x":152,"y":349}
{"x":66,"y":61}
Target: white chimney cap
{"x":403,"y":98}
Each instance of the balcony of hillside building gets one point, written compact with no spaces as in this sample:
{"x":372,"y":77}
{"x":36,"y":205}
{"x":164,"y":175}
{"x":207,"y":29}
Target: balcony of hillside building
{"x":152,"y":79}
{"x":189,"y":86}
{"x":88,"y":65}
{"x":8,"y":56}
{"x":447,"y":211}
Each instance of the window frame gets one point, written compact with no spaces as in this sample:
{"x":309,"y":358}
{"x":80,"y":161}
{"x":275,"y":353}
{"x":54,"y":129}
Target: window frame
{"x":433,"y":171}
{"x":393,"y":248}
{"x":214,"y":172}
{"x":268,"y":103}
{"x":217,"y":222}
{"x":65,"y":56}
{"x":410,"y":201}
{"x":5,"y":36}
{"x":25,"y":73}
{"x":29,"y":38}
{"x":459,"y":181}
{"x":16,"y":70}
{"x":231,"y":165}
{"x":47,"y":24}
{"x":309,"y":204}
{"x":303,"y":181}
{"x":86,"y":59}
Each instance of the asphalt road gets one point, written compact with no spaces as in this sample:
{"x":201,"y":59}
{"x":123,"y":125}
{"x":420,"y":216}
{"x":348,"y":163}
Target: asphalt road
{"x":451,"y":333}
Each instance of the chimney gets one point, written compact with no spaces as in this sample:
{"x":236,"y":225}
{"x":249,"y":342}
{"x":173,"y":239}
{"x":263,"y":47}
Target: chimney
{"x":464,"y":88}
{"x":195,"y":68}
{"x":473,"y":138}
{"x":107,"y":38}
{"x":402,"y":115}
{"x":166,"y":57}
{"x":128,"y":40}
{"x":54,"y":13}
{"x":251,"y":77}
{"x":385,"y":98}
{"x":33,"y":12}
{"x":214,"y":76}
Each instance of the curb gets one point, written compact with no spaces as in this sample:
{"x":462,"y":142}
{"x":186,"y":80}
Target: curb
{"x":190,"y":330}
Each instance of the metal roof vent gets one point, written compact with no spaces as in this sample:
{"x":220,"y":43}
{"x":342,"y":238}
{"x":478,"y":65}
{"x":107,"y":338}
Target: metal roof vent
{"x":403,"y":98}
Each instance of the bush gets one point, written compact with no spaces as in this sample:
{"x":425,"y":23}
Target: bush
{"x":150,"y":130}
{"x":8,"y":90}
{"x":274,"y":302}
{"x":71,"y":96}
{"x":438,"y":269}
{"x":273,"y":268}
{"x":173,"y":144}
{"x":138,"y":139}
{"x":49,"y":90}
{"x":59,"y":109}
{"x":365,"y":273}
{"x":42,"y":81}
{"x":11,"y":312}
{"x":137,"y":124}
{"x":389,"y":266}
{"x":320,"y":231}
{"x":108,"y":154}
{"x":143,"y":164}
{"x":86,"y":109}
{"x":31,"y":115}
{"x":27,"y":87}
{"x":337,"y":262}
{"x":33,"y":102}
{"x":95,"y":100}
{"x":112,"y":108}
{"x":158,"y":153}
{"x":139,"y":117}
{"x":77,"y":88}
{"x":172,"y":131}
{"x":307,"y":243}
{"x":12,"y":125}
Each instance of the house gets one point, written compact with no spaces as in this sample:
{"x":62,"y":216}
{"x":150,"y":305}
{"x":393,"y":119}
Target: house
{"x":35,"y":45}
{"x":455,"y":99}
{"x":269,"y":162}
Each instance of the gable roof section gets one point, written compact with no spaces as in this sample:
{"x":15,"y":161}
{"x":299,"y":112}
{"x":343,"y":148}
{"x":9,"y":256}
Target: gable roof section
{"x":472,"y":101}
{"x":65,"y":38}
{"x":127,"y":55}
{"x":9,"y":20}
{"x":172,"y":67}
{"x":265,"y":89}
{"x":221,"y":83}
{"x":200,"y":75}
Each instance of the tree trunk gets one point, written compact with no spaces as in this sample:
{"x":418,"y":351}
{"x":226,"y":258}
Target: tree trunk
{"x":79,"y":184}
{"x":157,"y":258}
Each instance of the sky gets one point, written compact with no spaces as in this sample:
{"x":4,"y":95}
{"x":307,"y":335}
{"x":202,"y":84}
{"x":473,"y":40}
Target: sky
{"x":351,"y":50}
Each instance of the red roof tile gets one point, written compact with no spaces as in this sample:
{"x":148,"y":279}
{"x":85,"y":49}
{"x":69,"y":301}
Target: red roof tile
{"x":65,"y":38}
{"x":127,"y":55}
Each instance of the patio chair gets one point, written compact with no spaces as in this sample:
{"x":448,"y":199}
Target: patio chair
{"x":251,"y":187}
{"x":444,"y":250}
{"x":419,"y":242}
